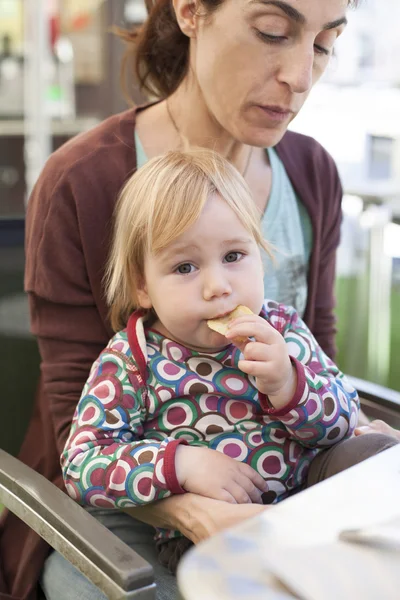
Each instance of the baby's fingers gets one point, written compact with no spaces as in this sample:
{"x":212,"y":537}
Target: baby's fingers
{"x":253,"y":492}
{"x":258,"y":351}
{"x":238,"y":492}
{"x":254,"y":368}
{"x":260,"y":330}
{"x":256,"y":479}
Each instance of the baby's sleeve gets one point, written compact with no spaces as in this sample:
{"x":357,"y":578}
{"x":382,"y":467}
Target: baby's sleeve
{"x":324,"y":408}
{"x":109,"y":460}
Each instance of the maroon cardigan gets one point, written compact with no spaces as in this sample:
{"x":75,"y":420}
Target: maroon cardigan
{"x":68,"y":229}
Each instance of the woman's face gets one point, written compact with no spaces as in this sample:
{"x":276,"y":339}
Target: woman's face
{"x":255,"y":61}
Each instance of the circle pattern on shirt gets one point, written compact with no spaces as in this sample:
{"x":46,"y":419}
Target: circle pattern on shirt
{"x":238,"y":410}
{"x":187,"y":433}
{"x":233,"y":447}
{"x":269,"y":461}
{"x":330,"y":410}
{"x":299,"y":347}
{"x":91,"y":413}
{"x":211,"y":425}
{"x":96,"y":497}
{"x":207,"y":368}
{"x":177,"y":414}
{"x":276,"y":489}
{"x":94,"y":473}
{"x":337,"y":431}
{"x":253,"y":439}
{"x":107,"y":391}
{"x":233,"y":383}
{"x":208,"y":402}
{"x":115,"y":475}
{"x":246,"y":426}
{"x":168,"y":370}
{"x":139,"y":485}
{"x":114,"y":365}
{"x":228,"y":421}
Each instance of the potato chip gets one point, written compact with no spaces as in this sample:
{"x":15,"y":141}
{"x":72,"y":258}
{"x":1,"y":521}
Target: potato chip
{"x":220,"y":325}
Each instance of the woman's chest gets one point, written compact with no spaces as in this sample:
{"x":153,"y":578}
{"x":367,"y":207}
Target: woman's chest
{"x":259,"y":178}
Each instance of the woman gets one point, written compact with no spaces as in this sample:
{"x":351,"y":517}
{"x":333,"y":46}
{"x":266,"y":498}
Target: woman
{"x":231,"y":74}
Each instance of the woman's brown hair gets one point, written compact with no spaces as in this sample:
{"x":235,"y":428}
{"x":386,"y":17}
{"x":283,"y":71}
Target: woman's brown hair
{"x":159,"y":50}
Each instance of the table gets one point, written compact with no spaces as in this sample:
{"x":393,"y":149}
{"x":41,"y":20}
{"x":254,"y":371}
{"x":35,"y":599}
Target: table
{"x":236,"y":564}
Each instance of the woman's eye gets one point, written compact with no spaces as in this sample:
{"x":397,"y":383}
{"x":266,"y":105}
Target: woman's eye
{"x":273,"y":39}
{"x":232,"y":257}
{"x":184,"y":269}
{"x":277,"y":39}
{"x":321,"y":50}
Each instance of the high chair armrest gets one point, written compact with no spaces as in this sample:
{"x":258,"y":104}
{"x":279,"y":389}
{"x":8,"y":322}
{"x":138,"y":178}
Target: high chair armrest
{"x":377,"y":401}
{"x":106,"y":561}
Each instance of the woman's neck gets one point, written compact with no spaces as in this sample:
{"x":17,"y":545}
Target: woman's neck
{"x":195,"y":126}
{"x":191,"y":121}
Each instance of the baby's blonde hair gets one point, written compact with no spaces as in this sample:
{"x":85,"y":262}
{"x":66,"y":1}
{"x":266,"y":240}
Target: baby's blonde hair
{"x":157,"y":205}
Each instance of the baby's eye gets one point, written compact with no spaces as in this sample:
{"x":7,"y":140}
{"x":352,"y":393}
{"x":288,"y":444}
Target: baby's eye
{"x":232,"y":257}
{"x":185,"y":268}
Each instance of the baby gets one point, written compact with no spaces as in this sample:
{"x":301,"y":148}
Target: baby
{"x":173,"y":406}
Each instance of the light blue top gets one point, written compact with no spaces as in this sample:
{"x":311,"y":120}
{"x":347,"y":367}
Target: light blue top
{"x":287,"y":226}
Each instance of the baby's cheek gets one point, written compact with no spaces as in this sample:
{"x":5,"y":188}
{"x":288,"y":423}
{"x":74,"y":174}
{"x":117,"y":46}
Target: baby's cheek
{"x":185,"y":319}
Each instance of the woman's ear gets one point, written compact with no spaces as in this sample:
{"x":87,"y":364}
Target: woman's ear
{"x":186,"y":15}
{"x":143,"y":296}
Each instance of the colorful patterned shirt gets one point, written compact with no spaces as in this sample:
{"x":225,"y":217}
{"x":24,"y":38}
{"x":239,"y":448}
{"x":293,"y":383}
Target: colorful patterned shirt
{"x":146,"y":394}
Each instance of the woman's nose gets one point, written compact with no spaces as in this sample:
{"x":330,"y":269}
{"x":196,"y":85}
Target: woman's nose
{"x":297,"y":69}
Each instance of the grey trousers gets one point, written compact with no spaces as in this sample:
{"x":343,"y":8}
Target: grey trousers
{"x":346,"y":454}
{"x":61,"y":581}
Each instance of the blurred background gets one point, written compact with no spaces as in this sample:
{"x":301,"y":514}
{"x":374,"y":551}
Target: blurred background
{"x":59,"y":76}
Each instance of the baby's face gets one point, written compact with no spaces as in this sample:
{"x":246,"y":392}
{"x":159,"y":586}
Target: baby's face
{"x":207,"y":272}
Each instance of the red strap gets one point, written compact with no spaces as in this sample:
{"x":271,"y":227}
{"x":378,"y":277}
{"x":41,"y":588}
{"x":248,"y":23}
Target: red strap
{"x":134,"y":343}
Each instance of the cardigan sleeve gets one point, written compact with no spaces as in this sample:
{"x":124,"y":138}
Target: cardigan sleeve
{"x":314,"y":176}
{"x":64,"y":314}
{"x":68,"y":228}
{"x":324,"y":407}
{"x":107,"y":460}
{"x":324,"y":328}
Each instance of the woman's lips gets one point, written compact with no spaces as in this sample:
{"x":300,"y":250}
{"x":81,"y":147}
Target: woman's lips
{"x":277,"y":114}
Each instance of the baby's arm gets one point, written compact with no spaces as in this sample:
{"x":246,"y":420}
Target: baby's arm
{"x":299,"y":385}
{"x":213,"y":474}
{"x":105,"y":461}
{"x":325,"y":406}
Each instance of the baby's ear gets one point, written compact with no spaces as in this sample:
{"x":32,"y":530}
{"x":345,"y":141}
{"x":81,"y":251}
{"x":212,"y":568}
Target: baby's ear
{"x":143,"y":297}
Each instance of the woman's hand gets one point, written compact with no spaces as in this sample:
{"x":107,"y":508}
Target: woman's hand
{"x":213,"y":474}
{"x":196,"y":517}
{"x":208,"y":516}
{"x":377,"y":426}
{"x":266,"y":358}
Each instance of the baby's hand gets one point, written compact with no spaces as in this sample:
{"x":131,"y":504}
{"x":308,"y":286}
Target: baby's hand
{"x":210,"y":473}
{"x":267,"y":358}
